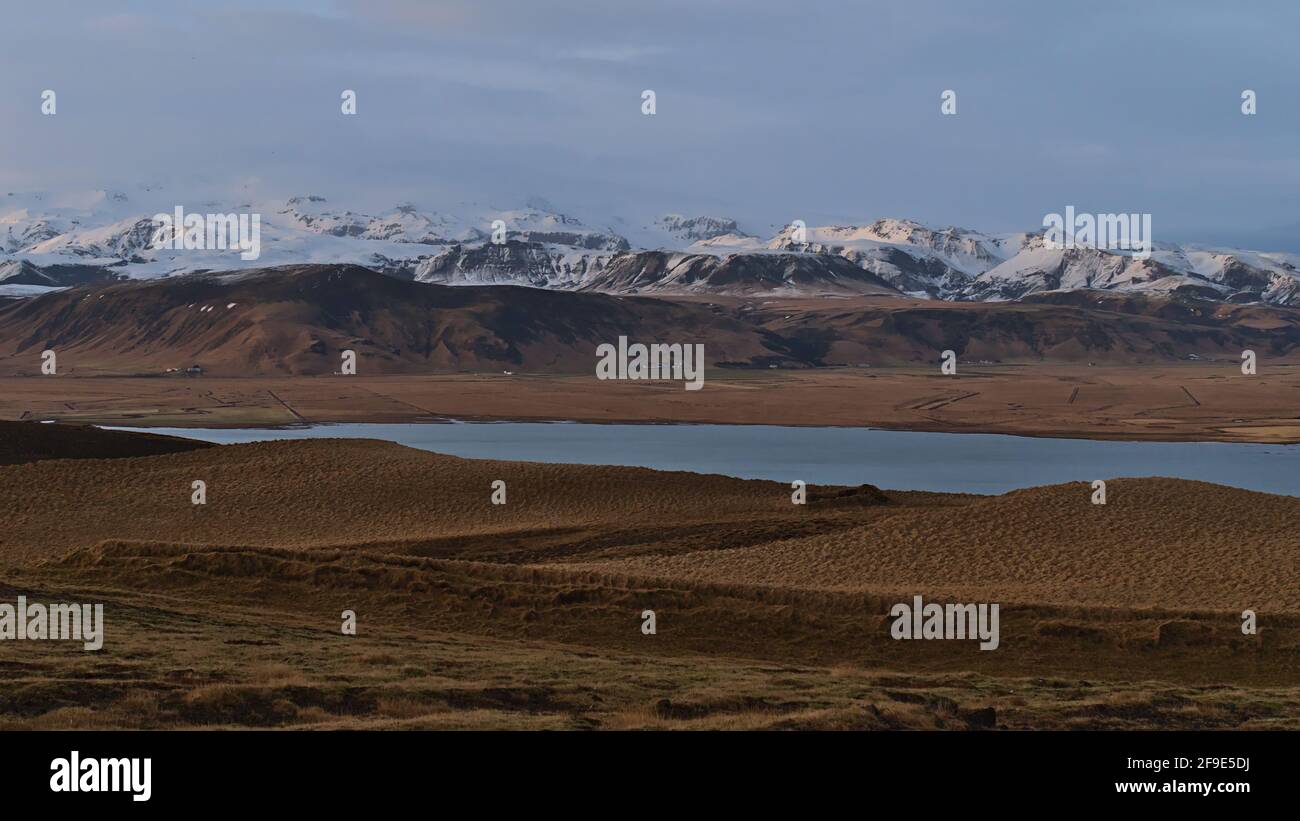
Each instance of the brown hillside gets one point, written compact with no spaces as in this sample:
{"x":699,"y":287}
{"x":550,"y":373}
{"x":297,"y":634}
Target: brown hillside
{"x":297,"y":320}
{"x":1164,"y":543}
{"x":1157,"y":543}
{"x":529,"y":614}
{"x":1081,"y":326}
{"x":31,"y":442}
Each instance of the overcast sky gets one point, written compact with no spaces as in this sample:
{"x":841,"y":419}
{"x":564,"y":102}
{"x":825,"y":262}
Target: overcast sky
{"x":766,"y":111}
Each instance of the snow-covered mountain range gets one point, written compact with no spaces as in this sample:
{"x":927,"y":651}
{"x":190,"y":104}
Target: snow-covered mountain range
{"x":49,"y":241}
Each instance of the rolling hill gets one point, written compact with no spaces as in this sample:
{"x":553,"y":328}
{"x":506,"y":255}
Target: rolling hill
{"x":297,"y":320}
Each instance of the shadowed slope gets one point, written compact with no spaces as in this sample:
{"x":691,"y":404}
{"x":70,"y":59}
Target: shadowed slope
{"x":297,"y":319}
{"x":32,"y":442}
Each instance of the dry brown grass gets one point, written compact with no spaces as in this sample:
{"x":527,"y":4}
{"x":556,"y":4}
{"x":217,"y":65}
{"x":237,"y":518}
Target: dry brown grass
{"x":1156,"y":543}
{"x":178,"y":668}
{"x":528,"y":616}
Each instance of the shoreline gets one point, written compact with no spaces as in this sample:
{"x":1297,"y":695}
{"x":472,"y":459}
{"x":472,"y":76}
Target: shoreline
{"x":494,"y":420}
{"x":889,"y":459}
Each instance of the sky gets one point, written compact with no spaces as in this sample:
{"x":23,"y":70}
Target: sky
{"x":765,"y":111}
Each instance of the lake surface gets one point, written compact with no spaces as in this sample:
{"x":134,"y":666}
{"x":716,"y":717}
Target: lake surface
{"x":904,"y":460}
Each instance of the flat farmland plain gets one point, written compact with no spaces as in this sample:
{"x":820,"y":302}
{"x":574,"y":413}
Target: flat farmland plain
{"x":1193,"y":401}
